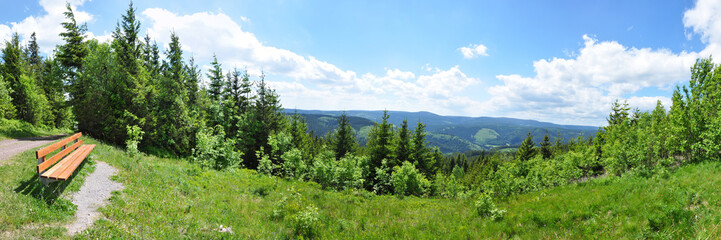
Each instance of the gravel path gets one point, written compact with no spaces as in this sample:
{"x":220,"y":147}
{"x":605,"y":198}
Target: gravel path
{"x":92,"y":195}
{"x":11,"y":147}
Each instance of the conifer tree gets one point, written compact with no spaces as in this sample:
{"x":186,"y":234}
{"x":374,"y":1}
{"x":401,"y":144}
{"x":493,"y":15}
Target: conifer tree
{"x":619,"y":113}
{"x":215,"y":75}
{"x":546,"y":147}
{"x":527,"y":149}
{"x":403,"y":145}
{"x":420,"y":153}
{"x":344,"y":139}
{"x":71,"y":53}
{"x":151,"y":57}
{"x":7,"y":109}
{"x":126,"y":41}
{"x":33,"y":53}
{"x":379,"y":146}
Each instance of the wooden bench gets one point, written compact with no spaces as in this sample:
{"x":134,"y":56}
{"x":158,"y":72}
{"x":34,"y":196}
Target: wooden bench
{"x":62,"y":165}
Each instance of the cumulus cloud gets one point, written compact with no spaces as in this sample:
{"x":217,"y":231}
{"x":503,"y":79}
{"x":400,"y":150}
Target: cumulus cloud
{"x":473,"y":51}
{"x":48,"y":26}
{"x":317,"y":84}
{"x":581,"y":89}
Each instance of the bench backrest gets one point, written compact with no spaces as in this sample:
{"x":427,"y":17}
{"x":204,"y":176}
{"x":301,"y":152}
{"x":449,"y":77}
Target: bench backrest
{"x":45,"y":163}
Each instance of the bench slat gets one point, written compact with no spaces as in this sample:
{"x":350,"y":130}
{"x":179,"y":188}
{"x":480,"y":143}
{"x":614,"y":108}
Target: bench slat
{"x":44,"y":151}
{"x":62,"y":164}
{"x":74,"y":163}
{"x":58,"y":156}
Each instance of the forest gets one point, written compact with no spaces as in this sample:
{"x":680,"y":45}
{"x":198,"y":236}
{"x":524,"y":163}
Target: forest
{"x":151,"y":101}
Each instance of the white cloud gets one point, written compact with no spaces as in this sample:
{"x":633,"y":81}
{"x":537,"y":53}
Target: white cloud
{"x":317,"y":84}
{"x":580,"y":90}
{"x":47,"y":27}
{"x":474,"y":50}
{"x":704,"y":19}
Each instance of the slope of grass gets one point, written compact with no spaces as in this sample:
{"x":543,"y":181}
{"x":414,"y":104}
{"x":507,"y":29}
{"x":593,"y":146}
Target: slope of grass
{"x":170,"y":198}
{"x":12,"y":128}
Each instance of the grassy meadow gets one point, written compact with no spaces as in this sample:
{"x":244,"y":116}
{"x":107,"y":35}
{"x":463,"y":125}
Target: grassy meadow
{"x":172,"y":198}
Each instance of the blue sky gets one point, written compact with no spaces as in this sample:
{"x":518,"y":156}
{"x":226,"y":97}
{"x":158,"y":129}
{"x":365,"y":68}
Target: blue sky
{"x":558,"y":61}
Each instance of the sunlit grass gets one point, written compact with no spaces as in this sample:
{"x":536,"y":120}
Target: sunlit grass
{"x":171,"y":198}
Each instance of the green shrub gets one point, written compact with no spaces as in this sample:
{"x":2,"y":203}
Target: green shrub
{"x":293,"y":164}
{"x":214,"y":151}
{"x":265,"y":165}
{"x":7,"y":109}
{"x":383,"y":178}
{"x":306,"y":223}
{"x":486,"y":208}
{"x":323,"y":167}
{"x":406,"y":180}
{"x":135,"y":135}
{"x":447,"y":187}
{"x":349,"y":173}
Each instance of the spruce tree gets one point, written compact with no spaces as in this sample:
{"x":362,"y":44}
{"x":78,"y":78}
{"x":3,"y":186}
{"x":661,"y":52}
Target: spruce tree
{"x":420,"y":153}
{"x":344,"y":139}
{"x":546,"y":147}
{"x":71,"y":53}
{"x":126,"y":41}
{"x":215,"y":74}
{"x":527,"y":149}
{"x":403,"y":145}
{"x":379,"y":146}
{"x":33,"y":53}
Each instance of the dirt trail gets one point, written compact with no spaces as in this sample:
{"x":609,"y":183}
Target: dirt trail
{"x":92,"y":195}
{"x":12,"y":147}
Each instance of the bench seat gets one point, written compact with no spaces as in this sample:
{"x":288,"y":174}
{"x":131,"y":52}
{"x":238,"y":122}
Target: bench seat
{"x":65,"y":168}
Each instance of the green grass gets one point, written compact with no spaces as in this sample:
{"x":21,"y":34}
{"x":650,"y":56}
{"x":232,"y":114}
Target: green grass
{"x":485,"y":135}
{"x":12,"y":128}
{"x":170,"y":198}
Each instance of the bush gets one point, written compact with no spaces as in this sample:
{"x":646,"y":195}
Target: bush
{"x":7,"y":109}
{"x":265,"y":165}
{"x":349,"y":173}
{"x":406,"y":180}
{"x":447,"y":187}
{"x":135,"y":135}
{"x":383,"y":178}
{"x":212,"y":150}
{"x":486,"y":208}
{"x":293,"y":164}
{"x":306,"y":223}
{"x":323,"y":167}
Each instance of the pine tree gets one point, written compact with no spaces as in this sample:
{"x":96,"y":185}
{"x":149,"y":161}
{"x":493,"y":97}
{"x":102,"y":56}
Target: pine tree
{"x":151,"y":57}
{"x":33,"y":53}
{"x":216,"y":80}
{"x":403,"y":145}
{"x":12,"y":68}
{"x":344,"y":139}
{"x":379,"y":146}
{"x":191,"y":85}
{"x":419,"y":152}
{"x":527,"y":149}
{"x":71,"y":53}
{"x":126,"y":41}
{"x":619,"y":113}
{"x":546,"y":147}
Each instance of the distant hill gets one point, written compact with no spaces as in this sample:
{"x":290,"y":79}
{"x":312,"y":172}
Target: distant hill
{"x":448,"y":133}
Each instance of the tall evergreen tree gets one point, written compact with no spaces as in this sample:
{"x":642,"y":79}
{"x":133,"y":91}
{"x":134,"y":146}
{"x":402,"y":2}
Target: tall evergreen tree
{"x":215,"y":74}
{"x":191,"y":84}
{"x":71,"y":53}
{"x":619,"y":113}
{"x":420,"y":153}
{"x":379,"y":146}
{"x":546,"y":147}
{"x":402,"y":145}
{"x":527,"y":149}
{"x":13,"y":67}
{"x":7,"y":109}
{"x":33,"y":53}
{"x":151,"y":57}
{"x":344,"y":139}
{"x":126,"y":41}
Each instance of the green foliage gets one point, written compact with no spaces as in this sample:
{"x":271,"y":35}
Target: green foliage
{"x":380,"y":149}
{"x":72,"y":53}
{"x":216,"y":80}
{"x":344,"y":140}
{"x":527,"y":149}
{"x":306,"y":223}
{"x":37,"y":109}
{"x":446,"y":186}
{"x":293,"y":165}
{"x":213,"y":150}
{"x":323,"y":169}
{"x":135,"y":135}
{"x":485,"y":208}
{"x":402,"y":151}
{"x":383,"y":180}
{"x":7,"y":109}
{"x":406,"y":180}
{"x":546,"y":147}
{"x":350,"y":172}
